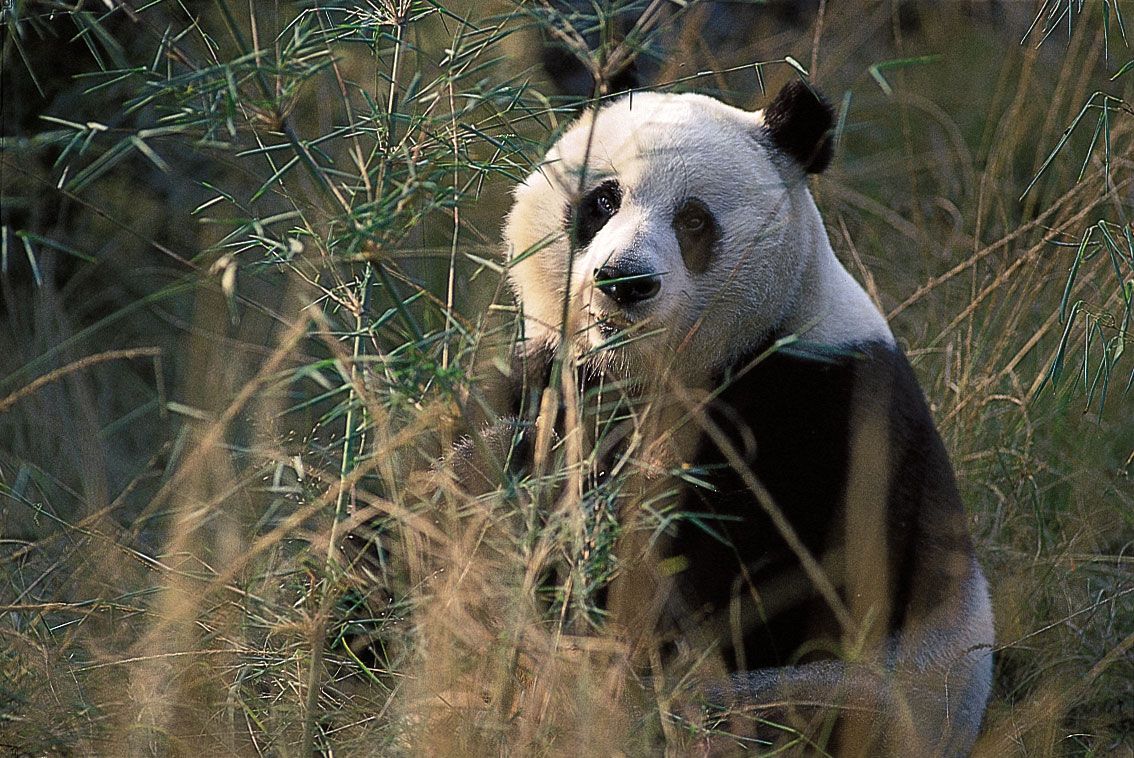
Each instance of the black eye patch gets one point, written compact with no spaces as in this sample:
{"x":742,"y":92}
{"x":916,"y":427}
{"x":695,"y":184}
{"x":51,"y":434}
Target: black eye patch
{"x":592,"y":212}
{"x":697,"y":233}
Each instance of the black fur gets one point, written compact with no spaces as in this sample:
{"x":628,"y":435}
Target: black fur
{"x":799,"y":123}
{"x":697,"y":233}
{"x":590,"y":214}
{"x":796,"y":416}
{"x":791,"y":414}
{"x":792,"y":417}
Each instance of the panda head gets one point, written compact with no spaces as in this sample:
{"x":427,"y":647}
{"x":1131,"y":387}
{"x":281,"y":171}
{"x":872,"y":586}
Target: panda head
{"x":675,"y":229}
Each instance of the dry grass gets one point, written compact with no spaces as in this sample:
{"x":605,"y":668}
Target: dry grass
{"x":246,"y":275}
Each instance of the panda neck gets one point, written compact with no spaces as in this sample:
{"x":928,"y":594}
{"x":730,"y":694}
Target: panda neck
{"x":832,"y":308}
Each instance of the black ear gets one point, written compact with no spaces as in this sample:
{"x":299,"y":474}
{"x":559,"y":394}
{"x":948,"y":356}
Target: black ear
{"x":799,"y":122}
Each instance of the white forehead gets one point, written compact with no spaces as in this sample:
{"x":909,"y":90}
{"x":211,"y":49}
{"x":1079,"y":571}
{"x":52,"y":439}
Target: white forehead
{"x":677,"y":143}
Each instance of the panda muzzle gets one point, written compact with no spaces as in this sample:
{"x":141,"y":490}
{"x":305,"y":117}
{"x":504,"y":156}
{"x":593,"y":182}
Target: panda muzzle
{"x":627,"y":286}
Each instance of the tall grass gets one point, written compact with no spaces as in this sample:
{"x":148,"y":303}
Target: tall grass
{"x":252,"y":289}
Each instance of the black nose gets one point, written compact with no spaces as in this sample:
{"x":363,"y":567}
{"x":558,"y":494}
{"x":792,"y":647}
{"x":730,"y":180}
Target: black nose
{"x":627,"y":286}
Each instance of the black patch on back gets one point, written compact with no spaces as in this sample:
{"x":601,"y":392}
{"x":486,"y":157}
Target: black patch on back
{"x":697,"y":233}
{"x":799,"y":123}
{"x":591,"y":213}
{"x":791,"y":417}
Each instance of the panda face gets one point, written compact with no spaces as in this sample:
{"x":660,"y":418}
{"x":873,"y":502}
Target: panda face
{"x":663,"y":229}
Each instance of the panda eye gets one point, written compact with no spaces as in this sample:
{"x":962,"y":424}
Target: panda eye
{"x":692,"y":218}
{"x":593,"y":211}
{"x":606,"y":203}
{"x":692,"y":223}
{"x":697,"y":234}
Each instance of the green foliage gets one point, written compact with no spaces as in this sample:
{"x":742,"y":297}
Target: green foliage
{"x":1099,"y":321}
{"x":250,"y":278}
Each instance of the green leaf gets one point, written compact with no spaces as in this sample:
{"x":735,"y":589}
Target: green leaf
{"x":876,"y":69}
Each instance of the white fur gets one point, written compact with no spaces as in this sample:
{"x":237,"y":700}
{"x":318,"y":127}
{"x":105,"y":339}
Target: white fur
{"x":952,"y":646}
{"x":772,"y":268}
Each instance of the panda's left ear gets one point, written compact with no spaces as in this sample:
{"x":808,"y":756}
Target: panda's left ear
{"x":799,"y":122}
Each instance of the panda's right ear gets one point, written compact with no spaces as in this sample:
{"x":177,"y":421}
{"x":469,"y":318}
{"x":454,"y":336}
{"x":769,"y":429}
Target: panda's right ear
{"x":799,"y":122}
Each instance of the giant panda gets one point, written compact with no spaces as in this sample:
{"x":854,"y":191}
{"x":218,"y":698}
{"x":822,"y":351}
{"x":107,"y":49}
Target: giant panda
{"x":669,"y":244}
